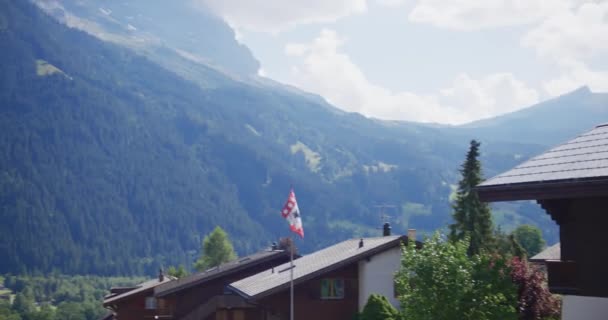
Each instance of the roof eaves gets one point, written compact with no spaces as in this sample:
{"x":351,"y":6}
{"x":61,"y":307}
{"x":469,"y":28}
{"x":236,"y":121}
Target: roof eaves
{"x":238,"y":292}
{"x":123,"y":296}
{"x":539,"y":190}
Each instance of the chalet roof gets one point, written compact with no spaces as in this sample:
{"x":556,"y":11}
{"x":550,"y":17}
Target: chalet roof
{"x":150,"y":284}
{"x":219,"y":271}
{"x":576,"y":168}
{"x":312,"y":265}
{"x":551,"y":253}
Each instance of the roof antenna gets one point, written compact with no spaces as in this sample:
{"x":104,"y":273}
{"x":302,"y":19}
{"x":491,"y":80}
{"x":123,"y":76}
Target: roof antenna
{"x":385,"y":218}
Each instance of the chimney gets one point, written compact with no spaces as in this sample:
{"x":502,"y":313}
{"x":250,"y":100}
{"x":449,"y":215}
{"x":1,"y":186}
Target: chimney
{"x":161,"y":275}
{"x":386,"y":229}
{"x":361,"y":243}
{"x":411,"y":234}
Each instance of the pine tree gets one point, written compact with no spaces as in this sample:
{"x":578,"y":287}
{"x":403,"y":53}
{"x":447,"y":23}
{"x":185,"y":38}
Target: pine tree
{"x":471,"y":216}
{"x":217,"y":249}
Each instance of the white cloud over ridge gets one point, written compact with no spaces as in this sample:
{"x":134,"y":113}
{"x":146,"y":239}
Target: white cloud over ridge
{"x":480,"y":14}
{"x":572,"y":34}
{"x":278,"y":15}
{"x":576,"y":74}
{"x":566,"y":35}
{"x":331,"y":73}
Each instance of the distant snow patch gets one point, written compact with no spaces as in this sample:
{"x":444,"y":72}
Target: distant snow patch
{"x":44,"y":69}
{"x":379,"y":167}
{"x":252,"y":129}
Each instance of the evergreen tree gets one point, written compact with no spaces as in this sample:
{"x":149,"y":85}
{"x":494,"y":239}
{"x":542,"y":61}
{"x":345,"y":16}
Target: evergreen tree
{"x":217,"y":249}
{"x":471,"y":216}
{"x":23,"y":303}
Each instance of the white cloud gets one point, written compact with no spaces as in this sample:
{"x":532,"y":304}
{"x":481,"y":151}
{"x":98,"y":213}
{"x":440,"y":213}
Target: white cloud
{"x":391,"y":3}
{"x":572,"y":34}
{"x":575,"y":75}
{"x":479,"y":14}
{"x":332,"y":74}
{"x":568,"y":40}
{"x":277,"y":15}
{"x":489,"y":96}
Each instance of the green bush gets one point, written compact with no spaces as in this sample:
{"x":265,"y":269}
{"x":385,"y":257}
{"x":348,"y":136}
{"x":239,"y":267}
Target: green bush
{"x":378,"y":308}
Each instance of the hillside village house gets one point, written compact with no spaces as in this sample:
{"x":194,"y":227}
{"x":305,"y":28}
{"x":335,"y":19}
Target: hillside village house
{"x":136,"y":302}
{"x":570,"y":182}
{"x":332,"y":283}
{"x":170,"y":298}
{"x":199,"y":295}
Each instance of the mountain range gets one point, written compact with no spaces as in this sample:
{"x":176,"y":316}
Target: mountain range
{"x":128,"y":134}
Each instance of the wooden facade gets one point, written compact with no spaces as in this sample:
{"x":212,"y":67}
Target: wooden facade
{"x":308,"y":300}
{"x":135,"y":308}
{"x":584,"y":258}
{"x":196,"y":297}
{"x":138,"y":302}
{"x":201,"y":301}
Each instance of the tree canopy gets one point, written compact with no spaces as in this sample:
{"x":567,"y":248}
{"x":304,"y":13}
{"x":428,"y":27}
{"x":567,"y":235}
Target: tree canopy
{"x":217,"y":249}
{"x":530,"y":238}
{"x":442,"y":282}
{"x":178,"y":272}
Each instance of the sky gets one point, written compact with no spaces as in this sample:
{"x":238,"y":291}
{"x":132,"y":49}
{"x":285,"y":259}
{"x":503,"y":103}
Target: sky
{"x":442,"y":61}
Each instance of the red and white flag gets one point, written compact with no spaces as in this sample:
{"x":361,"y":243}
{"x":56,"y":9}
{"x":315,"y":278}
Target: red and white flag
{"x":291,"y":212}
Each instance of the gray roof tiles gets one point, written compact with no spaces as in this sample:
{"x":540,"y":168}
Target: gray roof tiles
{"x":585,"y":156}
{"x":551,"y":253}
{"x":309,"y":266}
{"x":223,"y":269}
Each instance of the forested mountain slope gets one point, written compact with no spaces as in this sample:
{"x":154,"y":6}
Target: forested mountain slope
{"x":111,"y":163}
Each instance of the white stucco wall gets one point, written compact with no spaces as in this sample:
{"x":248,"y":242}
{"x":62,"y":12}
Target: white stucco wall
{"x":584,"y":308}
{"x":377,"y":275}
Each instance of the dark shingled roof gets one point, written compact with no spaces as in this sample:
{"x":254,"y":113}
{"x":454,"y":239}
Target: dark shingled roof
{"x":137,"y":289}
{"x":551,"y":253}
{"x":309,"y":266}
{"x":563,"y":170}
{"x":219,"y":271}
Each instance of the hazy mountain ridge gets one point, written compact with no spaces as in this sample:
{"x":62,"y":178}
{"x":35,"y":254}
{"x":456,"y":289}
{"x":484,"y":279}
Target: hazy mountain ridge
{"x":122,"y":165}
{"x":546,"y":123}
{"x":148,"y":26}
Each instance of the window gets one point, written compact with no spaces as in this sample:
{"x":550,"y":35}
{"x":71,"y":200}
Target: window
{"x":150,"y":303}
{"x":332,"y":288}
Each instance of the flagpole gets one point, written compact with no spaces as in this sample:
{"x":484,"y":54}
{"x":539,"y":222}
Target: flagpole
{"x":291,"y":281}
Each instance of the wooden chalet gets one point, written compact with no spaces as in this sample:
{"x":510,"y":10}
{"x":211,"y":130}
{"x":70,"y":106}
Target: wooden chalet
{"x":570,"y":182}
{"x":199,"y":295}
{"x":196,"y":296}
{"x":137,"y":302}
{"x":333,"y":283}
